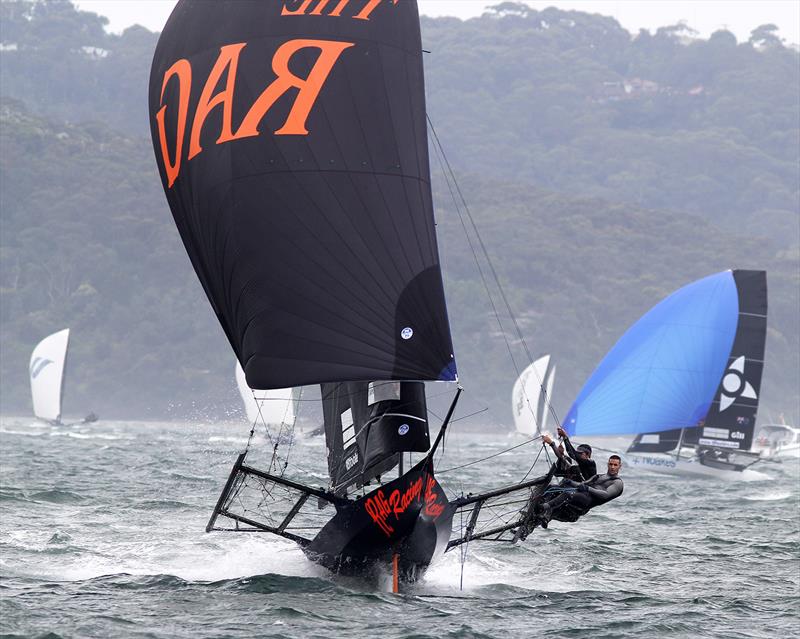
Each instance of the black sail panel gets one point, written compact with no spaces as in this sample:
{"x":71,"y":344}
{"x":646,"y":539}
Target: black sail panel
{"x":397,"y":419}
{"x":291,"y":140}
{"x":732,"y":417}
{"x":661,"y":442}
{"x":367,"y":426}
{"x":345,"y":458}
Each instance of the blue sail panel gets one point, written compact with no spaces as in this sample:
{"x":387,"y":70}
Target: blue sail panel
{"x":663,"y":372}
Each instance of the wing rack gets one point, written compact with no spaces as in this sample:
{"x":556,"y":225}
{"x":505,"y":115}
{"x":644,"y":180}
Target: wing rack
{"x":504,"y":514}
{"x":257,"y":501}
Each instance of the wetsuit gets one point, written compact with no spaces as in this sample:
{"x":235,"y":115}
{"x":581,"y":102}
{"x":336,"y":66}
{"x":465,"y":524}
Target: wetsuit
{"x":587,"y":466}
{"x":569,"y":506}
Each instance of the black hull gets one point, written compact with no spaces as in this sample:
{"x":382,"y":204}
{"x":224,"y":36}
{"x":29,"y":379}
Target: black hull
{"x":409,"y":517}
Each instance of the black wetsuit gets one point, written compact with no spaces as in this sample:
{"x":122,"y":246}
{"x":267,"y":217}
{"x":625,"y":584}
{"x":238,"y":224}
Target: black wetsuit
{"x":569,"y":506}
{"x":587,"y":466}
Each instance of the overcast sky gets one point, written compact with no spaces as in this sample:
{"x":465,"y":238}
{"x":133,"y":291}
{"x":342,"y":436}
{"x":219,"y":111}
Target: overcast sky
{"x":706,"y":16}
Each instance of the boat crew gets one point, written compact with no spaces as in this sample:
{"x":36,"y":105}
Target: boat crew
{"x":572,"y":499}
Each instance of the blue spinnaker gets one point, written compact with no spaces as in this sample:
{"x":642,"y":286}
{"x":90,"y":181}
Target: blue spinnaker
{"x":664,"y":371}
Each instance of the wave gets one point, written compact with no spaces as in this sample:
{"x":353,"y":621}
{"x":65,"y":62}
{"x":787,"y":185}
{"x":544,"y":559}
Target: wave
{"x":163,"y":504}
{"x":779,"y":496}
{"x":23,"y":433}
{"x":232,"y":440}
{"x":56,"y":496}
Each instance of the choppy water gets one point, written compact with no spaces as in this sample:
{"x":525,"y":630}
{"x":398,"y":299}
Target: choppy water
{"x":101,"y":535}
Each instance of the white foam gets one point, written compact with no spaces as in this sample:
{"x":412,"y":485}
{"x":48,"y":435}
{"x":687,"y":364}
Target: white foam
{"x":769,"y":497}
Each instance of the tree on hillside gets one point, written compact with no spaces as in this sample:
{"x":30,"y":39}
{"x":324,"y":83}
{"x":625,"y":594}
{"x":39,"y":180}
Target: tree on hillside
{"x":765,"y":36}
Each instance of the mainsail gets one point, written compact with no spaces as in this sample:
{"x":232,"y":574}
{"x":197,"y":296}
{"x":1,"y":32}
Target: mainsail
{"x":291,"y":141}
{"x":272,"y":407}
{"x":531,"y":396}
{"x":368,"y":425}
{"x":688,"y":372}
{"x":46,"y":370}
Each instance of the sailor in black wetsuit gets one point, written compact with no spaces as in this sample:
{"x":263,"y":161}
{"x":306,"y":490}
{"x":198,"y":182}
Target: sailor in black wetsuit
{"x":582,"y":455}
{"x":574,"y":499}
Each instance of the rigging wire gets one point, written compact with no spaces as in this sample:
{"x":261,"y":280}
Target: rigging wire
{"x":459,"y":203}
{"x":483,"y":459}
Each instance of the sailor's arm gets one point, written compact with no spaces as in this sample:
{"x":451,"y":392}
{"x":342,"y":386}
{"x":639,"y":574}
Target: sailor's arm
{"x":607,"y":494}
{"x":549,"y":440}
{"x":568,"y":444}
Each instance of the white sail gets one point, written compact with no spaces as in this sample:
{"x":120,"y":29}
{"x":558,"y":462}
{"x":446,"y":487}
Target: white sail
{"x":529,"y":405}
{"x":277,"y":406}
{"x":46,"y":372}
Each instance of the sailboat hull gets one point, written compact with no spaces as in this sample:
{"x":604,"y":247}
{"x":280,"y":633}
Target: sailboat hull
{"x":409,"y":517}
{"x":688,"y":467}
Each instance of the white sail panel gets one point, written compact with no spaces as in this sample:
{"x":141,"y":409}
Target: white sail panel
{"x":276,"y":406}
{"x":545,"y":400}
{"x":528,"y":404}
{"x":46,"y":371}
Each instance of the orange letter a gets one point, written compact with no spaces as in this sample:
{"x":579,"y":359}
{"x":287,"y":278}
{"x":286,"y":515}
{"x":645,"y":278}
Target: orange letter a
{"x":228,"y":59}
{"x":308,"y":89}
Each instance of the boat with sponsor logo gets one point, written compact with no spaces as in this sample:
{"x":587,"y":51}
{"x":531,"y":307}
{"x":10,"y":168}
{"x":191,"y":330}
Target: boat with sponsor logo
{"x":685,"y":379}
{"x":301,"y":191}
{"x":47,"y":370}
{"x":531,"y":397}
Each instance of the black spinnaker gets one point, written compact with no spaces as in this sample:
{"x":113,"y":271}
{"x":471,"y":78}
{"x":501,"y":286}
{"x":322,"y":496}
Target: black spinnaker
{"x":291,"y":141}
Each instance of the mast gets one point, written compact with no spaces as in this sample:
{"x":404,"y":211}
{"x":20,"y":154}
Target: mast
{"x":680,"y":443}
{"x":444,"y":425}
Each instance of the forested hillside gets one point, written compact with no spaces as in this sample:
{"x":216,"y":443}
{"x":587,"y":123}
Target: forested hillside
{"x":604,"y":170}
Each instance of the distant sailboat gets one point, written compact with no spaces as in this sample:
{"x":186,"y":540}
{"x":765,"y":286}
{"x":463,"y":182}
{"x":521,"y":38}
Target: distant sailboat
{"x":685,"y":379}
{"x":46,"y":370}
{"x":529,"y":403}
{"x":275,"y":407}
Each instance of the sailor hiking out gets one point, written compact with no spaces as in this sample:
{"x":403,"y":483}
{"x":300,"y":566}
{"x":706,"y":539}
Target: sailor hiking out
{"x":571,"y":500}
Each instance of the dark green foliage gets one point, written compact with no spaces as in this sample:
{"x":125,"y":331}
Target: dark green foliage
{"x":603,"y":170}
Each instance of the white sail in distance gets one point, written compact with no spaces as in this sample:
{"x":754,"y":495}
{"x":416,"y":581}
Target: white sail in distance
{"x":277,"y":406}
{"x":528,"y":403}
{"x":46,"y":371}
